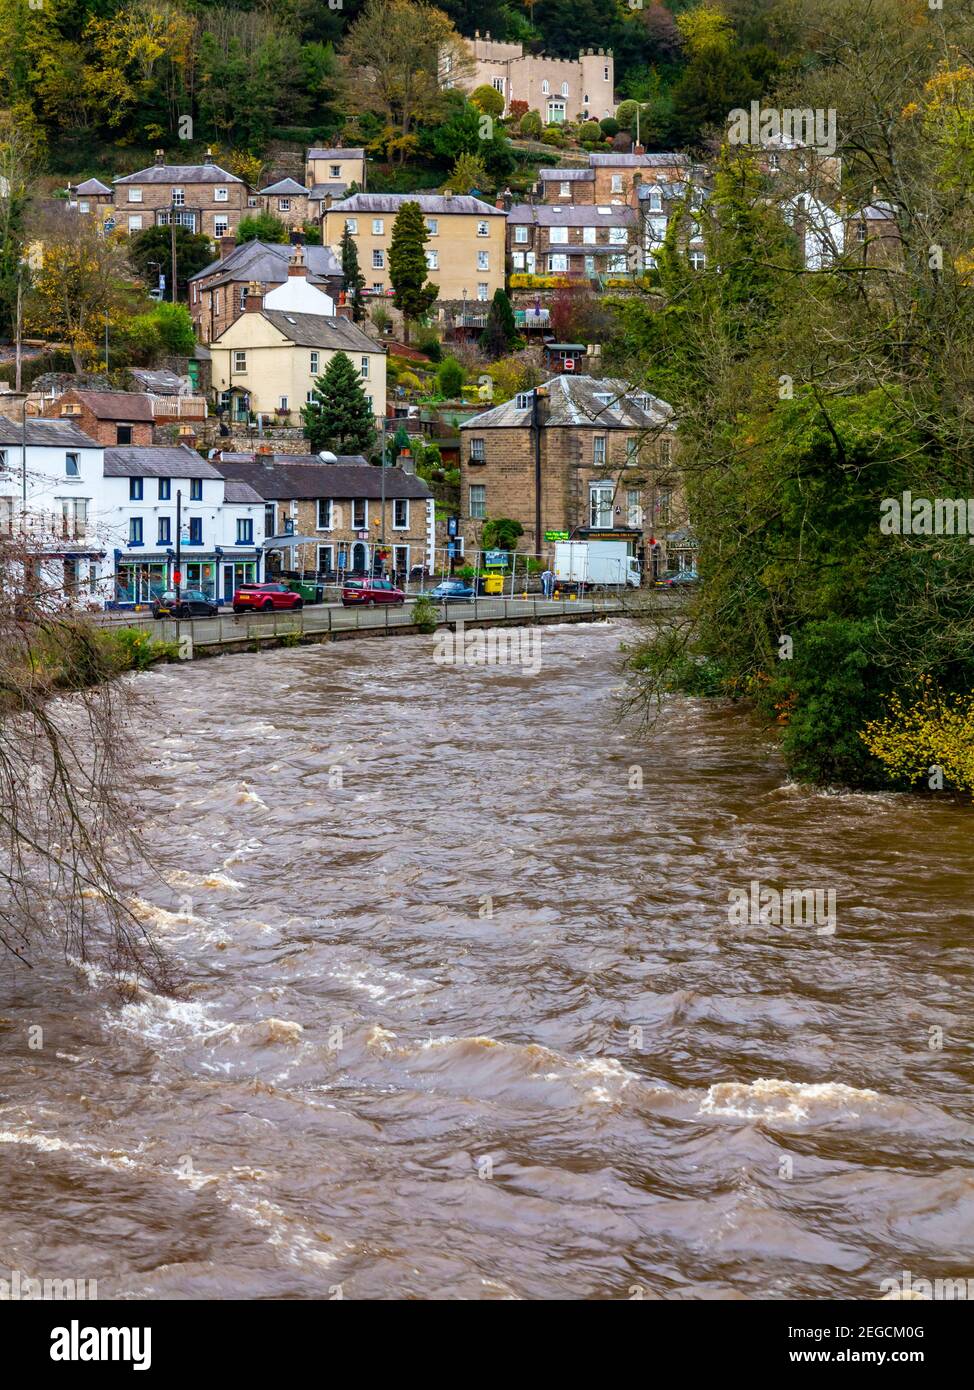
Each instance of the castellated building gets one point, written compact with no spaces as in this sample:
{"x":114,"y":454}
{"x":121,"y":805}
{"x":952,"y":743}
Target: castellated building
{"x":561,"y":89}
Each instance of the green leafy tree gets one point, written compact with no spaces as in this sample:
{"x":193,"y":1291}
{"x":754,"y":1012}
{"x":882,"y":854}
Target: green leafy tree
{"x":500,"y":333}
{"x":263,"y":226}
{"x":413,"y":293}
{"x":489,"y":100}
{"x":531,"y":125}
{"x":467,"y":173}
{"x":449,"y":377}
{"x":151,"y":252}
{"x":501,"y":533}
{"x":352,"y":275}
{"x":339,"y":417}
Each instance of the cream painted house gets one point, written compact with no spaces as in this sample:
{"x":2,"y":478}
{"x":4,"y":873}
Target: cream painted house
{"x":331,"y":166}
{"x":266,"y":362}
{"x":464,"y":247}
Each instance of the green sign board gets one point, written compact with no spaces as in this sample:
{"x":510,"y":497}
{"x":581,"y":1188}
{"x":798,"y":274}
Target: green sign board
{"x":556,"y":535}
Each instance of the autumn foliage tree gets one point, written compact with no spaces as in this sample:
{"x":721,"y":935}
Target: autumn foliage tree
{"x":79,"y":286}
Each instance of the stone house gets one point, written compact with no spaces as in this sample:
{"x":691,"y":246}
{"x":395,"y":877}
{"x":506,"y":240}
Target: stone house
{"x":571,"y":239}
{"x":200,"y":197}
{"x":335,"y":167}
{"x":288,"y":201}
{"x":464,"y":250}
{"x":605,"y":456}
{"x":91,"y":197}
{"x":559,"y":88}
{"x":107,"y":417}
{"x":567,"y":185}
{"x":217,"y":292}
{"x":618,"y":176}
{"x":336,"y":514}
{"x":872,"y":235}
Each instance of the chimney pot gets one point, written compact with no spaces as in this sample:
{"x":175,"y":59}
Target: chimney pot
{"x":254,"y":299}
{"x":228,"y":245}
{"x":160,"y":158}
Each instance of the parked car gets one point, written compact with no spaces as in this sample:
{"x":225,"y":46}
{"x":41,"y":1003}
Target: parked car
{"x":451,"y":589}
{"x":675,"y":581}
{"x":192,"y":603}
{"x":264,"y":598}
{"x":370,"y":592}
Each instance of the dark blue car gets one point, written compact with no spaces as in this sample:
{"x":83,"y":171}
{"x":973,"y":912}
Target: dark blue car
{"x":451,"y":589}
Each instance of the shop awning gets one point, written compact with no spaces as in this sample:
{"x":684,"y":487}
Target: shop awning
{"x":284,"y":542}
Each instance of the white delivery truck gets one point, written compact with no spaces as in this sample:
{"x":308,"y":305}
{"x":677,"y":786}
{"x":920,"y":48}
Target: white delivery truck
{"x":588,"y":563}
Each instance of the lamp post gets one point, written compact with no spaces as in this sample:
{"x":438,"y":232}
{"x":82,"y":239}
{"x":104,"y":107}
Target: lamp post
{"x":172,"y":243}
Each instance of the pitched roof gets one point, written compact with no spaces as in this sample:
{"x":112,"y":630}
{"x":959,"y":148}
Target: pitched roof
{"x":282,"y":480}
{"x":236,"y":491}
{"x":180,"y":173}
{"x":161,"y":381}
{"x":573,"y":215}
{"x":92,"y":186}
{"x":157,"y":461}
{"x":53,"y":433}
{"x":318,"y":152}
{"x":116,"y":405}
{"x":268,"y":261}
{"x":320,"y":330}
{"x":601,"y":403}
{"x":284,"y":186}
{"x":637,"y":161}
{"x":428,"y":202}
{"x":325,"y":190}
{"x":566,"y":175}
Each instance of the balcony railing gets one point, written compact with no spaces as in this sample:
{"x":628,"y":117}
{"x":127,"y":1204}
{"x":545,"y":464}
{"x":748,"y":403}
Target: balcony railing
{"x":532,"y":318}
{"x":179,"y":407}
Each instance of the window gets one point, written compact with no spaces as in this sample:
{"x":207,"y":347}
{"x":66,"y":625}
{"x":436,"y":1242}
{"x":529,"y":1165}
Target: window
{"x":433,"y":226}
{"x":477,"y":454}
{"x":165,"y":531}
{"x":632,"y":452}
{"x":360,"y":514}
{"x":617,"y":265}
{"x":269,"y":523}
{"x":698,"y":260}
{"x":483,"y":260}
{"x":400,"y":514}
{"x":598,"y":451}
{"x":135,"y":195}
{"x":589,"y":235}
{"x":482,"y":291}
{"x":240,"y":360}
{"x":478,"y":501}
{"x":336,"y":170}
{"x":483,"y":228}
{"x":284,"y":204}
{"x":565,"y":189}
{"x":589,"y":265}
{"x":558,"y":236}
{"x":556,"y":111}
{"x":135,"y":223}
{"x":617,"y":236}
{"x":6,"y":515}
{"x":135,"y":530}
{"x":74,"y":517}
{"x":135,"y":489}
{"x":351,"y":224}
{"x":432,"y":260}
{"x":378,"y":226}
{"x":518,"y":260}
{"x":557,"y":263}
{"x":309,"y":398}
{"x":634,"y":511}
{"x":520,"y":234}
{"x":165,"y":489}
{"x":252,"y":202}
{"x":245,"y":531}
{"x":498,"y":84}
{"x":545,"y":88}
{"x":378,"y":287}
{"x":83,"y":206}
{"x":72,"y":466}
{"x":325,"y":513}
{"x":773,"y":161}
{"x":523,"y":399}
{"x":605,"y":73}
{"x":315,"y":359}
{"x":123,"y":434}
{"x":378,"y":260}
{"x":196,"y":530}
{"x":178,"y":198}
{"x":283,"y":404}
{"x":600,"y":504}
{"x":326,"y":562}
{"x":564,"y":89}
{"x":616,"y":183}
{"x":665,"y":452}
{"x":196,"y":489}
{"x":663,"y":498}
{"x":860,"y":231}
{"x":655,"y":200}
{"x":221,"y":195}
{"x":364,"y":368}
{"x":221,"y":225}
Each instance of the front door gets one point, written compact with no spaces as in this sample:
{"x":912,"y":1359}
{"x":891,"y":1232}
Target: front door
{"x":360,"y":559}
{"x":229,"y":584}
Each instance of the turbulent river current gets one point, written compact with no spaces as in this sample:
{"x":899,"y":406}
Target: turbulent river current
{"x":465,"y":1013}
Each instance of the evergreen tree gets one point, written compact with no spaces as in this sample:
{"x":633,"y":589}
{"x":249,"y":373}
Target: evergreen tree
{"x":354,"y":279}
{"x":339,"y":418}
{"x":412,"y":292}
{"x":500,"y":334}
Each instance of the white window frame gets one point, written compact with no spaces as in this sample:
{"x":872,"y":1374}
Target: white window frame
{"x":483,"y":228}
{"x":483,"y":291}
{"x":329,"y":513}
{"x":396,"y":503}
{"x":432,"y":260}
{"x":364,"y":503}
{"x":481,"y":501}
{"x":178,"y":199}
{"x":483,"y":260}
{"x":558,"y":236}
{"x":364,"y":367}
{"x":135,"y":195}
{"x":520,"y":234}
{"x":221,"y":195}
{"x":433,"y":226}
{"x":315,"y":367}
{"x":221,"y":225}
{"x":240,"y":360}
{"x":378,"y":226}
{"x":378,"y":258}
{"x":351,"y":226}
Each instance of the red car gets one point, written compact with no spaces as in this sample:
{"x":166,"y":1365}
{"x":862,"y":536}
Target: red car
{"x":264,"y":598}
{"x":371,"y":592}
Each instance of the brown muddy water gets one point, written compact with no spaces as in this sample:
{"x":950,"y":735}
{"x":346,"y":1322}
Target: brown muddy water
{"x":475,"y":1024}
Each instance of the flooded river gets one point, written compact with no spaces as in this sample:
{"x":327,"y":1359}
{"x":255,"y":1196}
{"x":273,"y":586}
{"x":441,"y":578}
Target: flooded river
{"x":465,"y":1015}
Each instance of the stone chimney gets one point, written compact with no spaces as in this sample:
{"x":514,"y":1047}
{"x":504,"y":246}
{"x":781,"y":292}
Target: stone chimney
{"x":228,"y":245}
{"x":404,"y":460}
{"x":187,"y":436}
{"x":254,"y":298}
{"x":208,"y":157}
{"x":448,"y":194}
{"x":160,"y":158}
{"x":296,"y":265}
{"x":343,"y":310}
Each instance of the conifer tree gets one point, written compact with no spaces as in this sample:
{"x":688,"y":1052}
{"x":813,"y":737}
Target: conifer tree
{"x":412,"y":292}
{"x":339,"y":418}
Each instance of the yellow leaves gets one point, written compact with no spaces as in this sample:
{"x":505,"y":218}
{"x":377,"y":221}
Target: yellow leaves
{"x":934,"y":730}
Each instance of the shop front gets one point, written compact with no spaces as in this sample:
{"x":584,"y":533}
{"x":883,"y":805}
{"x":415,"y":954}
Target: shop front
{"x":140,"y":581}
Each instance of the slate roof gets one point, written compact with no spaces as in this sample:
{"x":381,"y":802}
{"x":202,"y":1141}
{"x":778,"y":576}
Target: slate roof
{"x":157,"y":461}
{"x":428,"y":203}
{"x":54,"y":433}
{"x":279,"y":481}
{"x":268,"y":262}
{"x":573,"y":215}
{"x":320,"y":153}
{"x":573,"y":400}
{"x":569,"y":175}
{"x":179,"y":173}
{"x":160,"y":382}
{"x":236,"y":491}
{"x":321,"y":330}
{"x":116,"y":405}
{"x":637,"y":161}
{"x":284,"y":186}
{"x":323,"y":190}
{"x":91,"y":187}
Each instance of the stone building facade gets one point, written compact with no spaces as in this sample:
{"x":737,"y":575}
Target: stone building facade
{"x":200,"y":197}
{"x":547,"y":239}
{"x":217,"y":292}
{"x":561,"y":89}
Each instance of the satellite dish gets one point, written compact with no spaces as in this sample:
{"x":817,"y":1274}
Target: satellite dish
{"x":327,"y":457}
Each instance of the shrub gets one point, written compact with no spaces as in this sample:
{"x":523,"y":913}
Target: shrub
{"x":488,"y":100}
{"x":425,"y":614}
{"x":449,"y":377}
{"x":590,"y":130}
{"x":609,"y":126}
{"x":532,"y":125}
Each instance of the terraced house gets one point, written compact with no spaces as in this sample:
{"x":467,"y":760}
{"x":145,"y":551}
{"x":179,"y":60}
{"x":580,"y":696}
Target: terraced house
{"x":217,"y":293}
{"x":587,"y":240}
{"x":200,"y":197}
{"x":464,"y":250}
